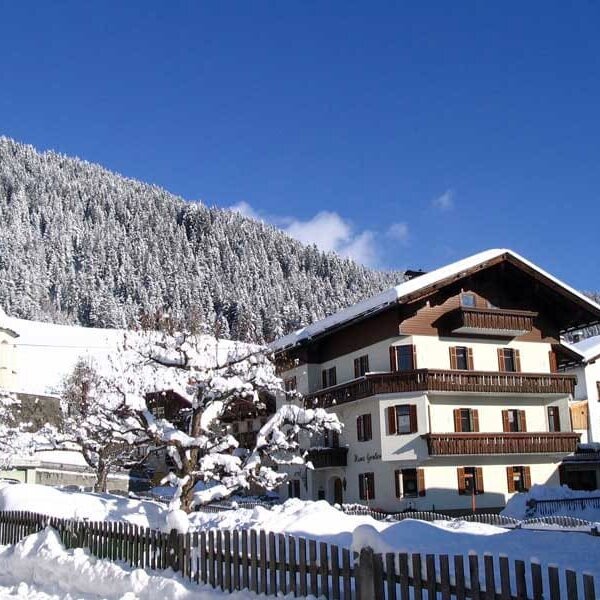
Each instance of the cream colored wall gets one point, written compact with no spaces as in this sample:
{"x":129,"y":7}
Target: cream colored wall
{"x":490,"y":409}
{"x":8,"y":361}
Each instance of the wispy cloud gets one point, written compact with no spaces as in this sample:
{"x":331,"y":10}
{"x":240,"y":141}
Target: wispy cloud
{"x":245,"y":209}
{"x":399,"y":232}
{"x":445,"y":202}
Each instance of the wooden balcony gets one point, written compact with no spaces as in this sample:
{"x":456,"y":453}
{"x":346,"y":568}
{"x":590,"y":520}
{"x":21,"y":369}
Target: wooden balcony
{"x":491,"y":321}
{"x":444,"y":444}
{"x":437,"y":380}
{"x":323,"y":458}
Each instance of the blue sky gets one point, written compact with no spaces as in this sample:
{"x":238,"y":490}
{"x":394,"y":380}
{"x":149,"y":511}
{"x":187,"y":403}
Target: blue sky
{"x":403,"y":135}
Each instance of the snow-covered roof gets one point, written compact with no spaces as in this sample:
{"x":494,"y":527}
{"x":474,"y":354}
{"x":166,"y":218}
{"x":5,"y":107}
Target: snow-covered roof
{"x":588,"y":349}
{"x":401,"y":292}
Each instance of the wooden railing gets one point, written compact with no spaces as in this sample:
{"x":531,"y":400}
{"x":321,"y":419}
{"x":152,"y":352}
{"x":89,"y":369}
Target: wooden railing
{"x":323,"y":458}
{"x":480,"y":320}
{"x":437,"y":380}
{"x":500,"y":443}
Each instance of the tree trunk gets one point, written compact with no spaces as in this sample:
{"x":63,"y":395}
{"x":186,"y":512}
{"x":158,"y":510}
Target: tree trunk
{"x":187,"y":496}
{"x":101,"y":477}
{"x":190,"y":464}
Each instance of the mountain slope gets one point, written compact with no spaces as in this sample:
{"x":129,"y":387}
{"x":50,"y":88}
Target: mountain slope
{"x":79,"y":244}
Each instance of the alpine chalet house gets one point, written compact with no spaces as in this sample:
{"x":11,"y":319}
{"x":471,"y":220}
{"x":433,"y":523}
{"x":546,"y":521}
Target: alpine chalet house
{"x":447,"y":385}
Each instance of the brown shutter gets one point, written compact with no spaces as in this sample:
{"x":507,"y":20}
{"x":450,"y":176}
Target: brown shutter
{"x":360,"y":429}
{"x":510,"y":479}
{"x":414,"y":353}
{"x":397,"y":480}
{"x":517,"y":361}
{"x":391,"y":419}
{"x":470,"y":359}
{"x":414,"y":426}
{"x":505,"y":421}
{"x":522,"y":421}
{"x":457,"y":420}
{"x":368,"y":429}
{"x":479,"y":480}
{"x":501,"y":365}
{"x":527,"y":477}
{"x":324,"y":379}
{"x":356,"y":368}
{"x":557,"y":419}
{"x":453,"y":362}
{"x":361,"y":486}
{"x":460,"y":472}
{"x":475,"y":420}
{"x":332,"y":376}
{"x":421,"y":482}
{"x":553,"y":361}
{"x":393,"y":359}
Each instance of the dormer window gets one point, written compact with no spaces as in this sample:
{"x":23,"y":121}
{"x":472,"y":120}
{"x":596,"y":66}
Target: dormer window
{"x":467,"y":300}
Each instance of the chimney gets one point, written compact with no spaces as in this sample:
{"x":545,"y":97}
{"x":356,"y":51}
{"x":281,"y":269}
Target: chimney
{"x":410,"y":274}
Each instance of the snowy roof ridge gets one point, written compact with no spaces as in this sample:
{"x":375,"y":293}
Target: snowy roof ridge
{"x":402,"y":290}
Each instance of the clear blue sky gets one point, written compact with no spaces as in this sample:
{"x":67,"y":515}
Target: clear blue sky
{"x":427,"y":132}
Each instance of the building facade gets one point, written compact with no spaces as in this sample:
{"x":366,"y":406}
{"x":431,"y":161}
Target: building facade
{"x":447,"y":386}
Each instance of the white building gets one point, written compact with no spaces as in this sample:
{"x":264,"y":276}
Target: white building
{"x":447,"y":387}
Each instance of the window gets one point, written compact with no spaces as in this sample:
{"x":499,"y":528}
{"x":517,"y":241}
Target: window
{"x":518,"y":479}
{"x":403,"y":358}
{"x":410,"y":483}
{"x":364,"y":432}
{"x":553,"y":418}
{"x":402,"y":419}
{"x":466,"y":420}
{"x":294,"y":488}
{"x":331,"y":439}
{"x":290,"y":384}
{"x":329,"y":377}
{"x":361,"y":365}
{"x":461,"y":358}
{"x":159,"y":412}
{"x":513,"y":421}
{"x":366,"y":486}
{"x":468,"y":300}
{"x":509,"y":360}
{"x":470,"y":480}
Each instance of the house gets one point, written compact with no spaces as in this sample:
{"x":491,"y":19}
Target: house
{"x":447,"y":385}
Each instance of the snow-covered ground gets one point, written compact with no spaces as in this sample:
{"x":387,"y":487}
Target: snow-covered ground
{"x":39,"y":568}
{"x":323,"y":522}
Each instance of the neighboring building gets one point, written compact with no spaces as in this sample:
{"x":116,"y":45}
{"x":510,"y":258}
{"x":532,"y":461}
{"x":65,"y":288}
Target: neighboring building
{"x":447,"y":387}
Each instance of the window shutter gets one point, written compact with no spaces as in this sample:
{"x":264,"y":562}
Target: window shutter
{"x":505,"y":421}
{"x":360,"y":429}
{"x":397,"y":475}
{"x":501,"y":365}
{"x":457,"y":420}
{"x":479,"y":480}
{"x":356,"y":368}
{"x":361,"y":486}
{"x":562,"y":475}
{"x":335,"y":439}
{"x":553,"y":361}
{"x":368,"y":429}
{"x":391,"y":418}
{"x":527,"y":477}
{"x":522,"y":421}
{"x":517,"y":361}
{"x":414,"y":426}
{"x":453,"y":362}
{"x":371,"y":477}
{"x":460,"y":472}
{"x":510,"y":480}
{"x":332,"y":376}
{"x":393,"y":359}
{"x":324,"y":378}
{"x":470,"y":359}
{"x":414,"y":353}
{"x":475,"y":420}
{"x":421,"y":482}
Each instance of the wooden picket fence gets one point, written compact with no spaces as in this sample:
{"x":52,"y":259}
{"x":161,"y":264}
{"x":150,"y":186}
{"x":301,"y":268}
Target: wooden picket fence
{"x":271,"y":563}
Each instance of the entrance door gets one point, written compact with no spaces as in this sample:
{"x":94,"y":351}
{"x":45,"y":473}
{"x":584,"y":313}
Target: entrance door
{"x":338,"y":494}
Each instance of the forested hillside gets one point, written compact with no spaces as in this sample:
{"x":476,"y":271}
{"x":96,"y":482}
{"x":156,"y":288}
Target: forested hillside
{"x":79,"y":244}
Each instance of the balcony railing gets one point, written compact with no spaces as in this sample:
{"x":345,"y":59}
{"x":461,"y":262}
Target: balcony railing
{"x":442,"y":444}
{"x":491,"y":321}
{"x":436,"y":380}
{"x":323,"y":458}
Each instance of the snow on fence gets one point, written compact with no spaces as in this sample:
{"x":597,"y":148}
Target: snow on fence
{"x":550,"y":507}
{"x":271,"y":563}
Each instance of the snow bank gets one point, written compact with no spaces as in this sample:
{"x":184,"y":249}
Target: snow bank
{"x":77,"y":505}
{"x":39,"y":567}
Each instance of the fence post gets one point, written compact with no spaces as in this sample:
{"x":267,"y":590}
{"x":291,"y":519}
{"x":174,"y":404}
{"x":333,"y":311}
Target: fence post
{"x":370,"y":575}
{"x":173,"y":550}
